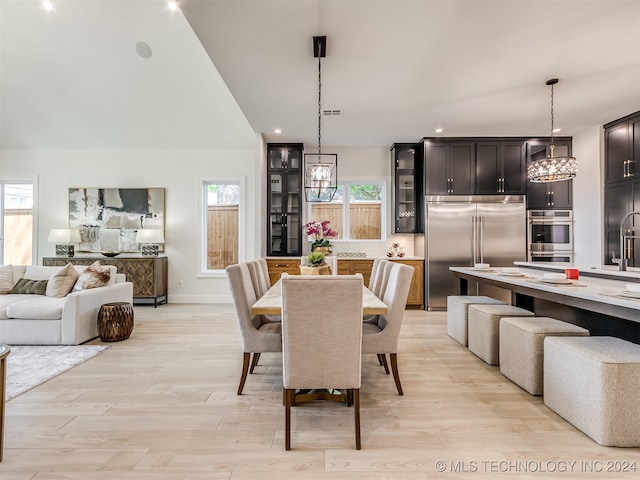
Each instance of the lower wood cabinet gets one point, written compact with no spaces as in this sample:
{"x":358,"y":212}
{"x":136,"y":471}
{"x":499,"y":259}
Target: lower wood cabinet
{"x":148,"y":274}
{"x":278,"y":266}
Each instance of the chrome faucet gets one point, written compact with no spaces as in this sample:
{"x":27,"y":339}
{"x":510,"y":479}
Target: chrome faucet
{"x":623,"y":244}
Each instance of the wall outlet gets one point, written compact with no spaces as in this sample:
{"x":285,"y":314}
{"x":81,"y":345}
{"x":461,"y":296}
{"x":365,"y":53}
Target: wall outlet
{"x":180,"y":284}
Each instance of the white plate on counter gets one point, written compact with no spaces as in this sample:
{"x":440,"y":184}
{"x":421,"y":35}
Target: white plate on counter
{"x":627,"y":293}
{"x":512,"y":274}
{"x":557,"y":281}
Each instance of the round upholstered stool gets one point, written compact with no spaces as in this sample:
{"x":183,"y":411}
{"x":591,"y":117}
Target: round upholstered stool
{"x":522,"y":348}
{"x":458,"y":312}
{"x":115,"y":321}
{"x":484,"y":329}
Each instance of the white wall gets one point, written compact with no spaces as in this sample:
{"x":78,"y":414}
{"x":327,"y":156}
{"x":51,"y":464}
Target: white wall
{"x":179,"y":171}
{"x":588,"y":207}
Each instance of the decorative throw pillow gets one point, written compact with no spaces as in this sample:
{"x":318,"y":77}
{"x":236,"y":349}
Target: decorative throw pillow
{"x":33,"y":287}
{"x":6,"y":278}
{"x":61,"y":283}
{"x":95,"y":275}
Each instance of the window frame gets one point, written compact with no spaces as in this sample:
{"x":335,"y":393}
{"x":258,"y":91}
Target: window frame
{"x":346,"y":214}
{"x":203,"y":183}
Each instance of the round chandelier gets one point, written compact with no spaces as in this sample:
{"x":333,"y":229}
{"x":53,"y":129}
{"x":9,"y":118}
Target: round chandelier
{"x":552,"y":168}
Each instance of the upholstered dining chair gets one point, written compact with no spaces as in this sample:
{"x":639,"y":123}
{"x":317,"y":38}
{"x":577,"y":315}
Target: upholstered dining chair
{"x":264,"y":269}
{"x":260,"y":283}
{"x":376,"y":277}
{"x":321,"y":339}
{"x":381,"y":338}
{"x":377,"y":286}
{"x":259,"y":335}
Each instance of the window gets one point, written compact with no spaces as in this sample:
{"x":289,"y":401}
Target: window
{"x":361,"y":210}
{"x":16,"y":226}
{"x":221,"y":224}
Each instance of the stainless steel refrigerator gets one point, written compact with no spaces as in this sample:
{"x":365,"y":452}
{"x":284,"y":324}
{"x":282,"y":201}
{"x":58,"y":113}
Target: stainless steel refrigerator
{"x":463,"y":230}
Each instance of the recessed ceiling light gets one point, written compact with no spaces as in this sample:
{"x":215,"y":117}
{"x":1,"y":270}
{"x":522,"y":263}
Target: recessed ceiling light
{"x":556,"y":130}
{"x":47,"y":5}
{"x":173,"y":6}
{"x":144,"y":50}
{"x":439,"y":130}
{"x":277,"y":130}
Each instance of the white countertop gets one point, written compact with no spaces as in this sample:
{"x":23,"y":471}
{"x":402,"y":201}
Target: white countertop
{"x":609,"y":271}
{"x":594,"y":289}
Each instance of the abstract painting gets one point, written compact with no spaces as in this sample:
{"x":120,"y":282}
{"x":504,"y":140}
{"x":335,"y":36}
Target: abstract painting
{"x":109,"y":218}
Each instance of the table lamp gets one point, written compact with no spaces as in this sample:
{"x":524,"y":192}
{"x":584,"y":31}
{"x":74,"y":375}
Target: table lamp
{"x":149,"y":239}
{"x":63,"y":238}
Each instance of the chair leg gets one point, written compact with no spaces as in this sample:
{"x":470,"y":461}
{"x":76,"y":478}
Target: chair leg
{"x":382,"y":358}
{"x":287,"y":418}
{"x":349,"y":397}
{"x":356,"y":413}
{"x":394,"y":369}
{"x":245,"y":369}
{"x":254,"y":361}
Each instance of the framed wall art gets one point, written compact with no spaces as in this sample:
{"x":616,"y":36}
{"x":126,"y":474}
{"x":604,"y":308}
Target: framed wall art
{"x":109,"y":218}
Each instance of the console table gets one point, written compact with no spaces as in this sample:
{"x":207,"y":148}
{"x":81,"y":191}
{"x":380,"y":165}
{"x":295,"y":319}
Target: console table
{"x":148,"y":274}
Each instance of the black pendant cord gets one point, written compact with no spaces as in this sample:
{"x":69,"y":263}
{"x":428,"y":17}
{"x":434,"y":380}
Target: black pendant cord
{"x":319,"y":100}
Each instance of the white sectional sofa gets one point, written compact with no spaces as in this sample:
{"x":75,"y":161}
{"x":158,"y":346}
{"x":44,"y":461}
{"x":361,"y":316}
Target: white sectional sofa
{"x":50,"y":319}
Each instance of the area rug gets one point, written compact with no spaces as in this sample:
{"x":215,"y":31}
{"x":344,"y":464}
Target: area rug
{"x":29,"y":366}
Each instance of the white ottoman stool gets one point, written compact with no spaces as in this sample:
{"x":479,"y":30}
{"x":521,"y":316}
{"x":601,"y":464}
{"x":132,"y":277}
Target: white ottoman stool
{"x":522,"y":348}
{"x":593,"y":383}
{"x":458,"y":311}
{"x":484,"y":329}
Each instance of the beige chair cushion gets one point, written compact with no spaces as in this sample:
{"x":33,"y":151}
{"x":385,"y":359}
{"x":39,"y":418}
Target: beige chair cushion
{"x":61,"y":283}
{"x":37,"y":308}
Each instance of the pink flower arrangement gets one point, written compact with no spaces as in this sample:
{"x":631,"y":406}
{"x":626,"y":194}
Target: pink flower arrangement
{"x":321,"y":232}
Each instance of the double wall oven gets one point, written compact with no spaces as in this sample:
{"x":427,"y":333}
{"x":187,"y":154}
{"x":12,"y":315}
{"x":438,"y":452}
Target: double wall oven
{"x":550,"y":235}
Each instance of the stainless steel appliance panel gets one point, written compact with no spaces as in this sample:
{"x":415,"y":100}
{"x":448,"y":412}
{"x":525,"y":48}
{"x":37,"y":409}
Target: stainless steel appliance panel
{"x":448,"y":242}
{"x":550,"y":230}
{"x":463,"y":230}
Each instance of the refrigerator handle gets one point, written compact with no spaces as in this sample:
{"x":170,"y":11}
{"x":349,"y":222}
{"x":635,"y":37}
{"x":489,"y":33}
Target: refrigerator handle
{"x":481,"y":236}
{"x":474,"y":244}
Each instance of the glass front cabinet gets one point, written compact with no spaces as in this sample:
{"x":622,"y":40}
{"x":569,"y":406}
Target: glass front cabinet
{"x":407,"y":169}
{"x":284,"y":199}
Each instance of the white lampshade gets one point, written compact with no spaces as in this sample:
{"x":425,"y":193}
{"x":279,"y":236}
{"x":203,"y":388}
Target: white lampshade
{"x":149,"y":236}
{"x":64,"y":235}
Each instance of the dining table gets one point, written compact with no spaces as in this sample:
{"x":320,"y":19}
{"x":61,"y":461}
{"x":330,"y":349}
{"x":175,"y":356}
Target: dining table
{"x":271,"y":302}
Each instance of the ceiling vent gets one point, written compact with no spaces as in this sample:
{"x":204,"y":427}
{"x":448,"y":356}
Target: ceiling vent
{"x":336,"y":112}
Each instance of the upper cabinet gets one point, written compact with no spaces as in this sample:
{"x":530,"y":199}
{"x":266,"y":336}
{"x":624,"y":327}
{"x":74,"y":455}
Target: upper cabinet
{"x":449,"y":167}
{"x":622,"y":186}
{"x":499,"y":167}
{"x":549,"y":195}
{"x":284,"y":199}
{"x":469,"y":166}
{"x":407,"y":193}
{"x":622,"y":148}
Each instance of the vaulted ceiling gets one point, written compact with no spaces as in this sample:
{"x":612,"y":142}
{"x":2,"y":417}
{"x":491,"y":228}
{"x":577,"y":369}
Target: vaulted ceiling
{"x":397,"y":69}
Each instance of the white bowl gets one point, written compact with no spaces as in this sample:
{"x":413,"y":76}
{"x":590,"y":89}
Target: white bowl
{"x":633,"y":287}
{"x":554,"y":276}
{"x":481,"y":266}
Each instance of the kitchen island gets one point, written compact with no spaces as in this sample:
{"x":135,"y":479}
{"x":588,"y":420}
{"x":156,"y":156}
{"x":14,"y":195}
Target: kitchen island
{"x":597,"y":303}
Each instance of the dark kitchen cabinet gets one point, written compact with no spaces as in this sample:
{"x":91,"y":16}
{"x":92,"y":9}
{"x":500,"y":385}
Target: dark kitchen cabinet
{"x":500,"y":167}
{"x":622,"y":185}
{"x":622,"y":148}
{"x":449,"y":167}
{"x":619,"y":199}
{"x":549,"y":195}
{"x":407,"y":191}
{"x":284,"y":199}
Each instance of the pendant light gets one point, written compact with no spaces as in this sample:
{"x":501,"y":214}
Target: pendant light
{"x":552,"y":168}
{"x":320,"y":169}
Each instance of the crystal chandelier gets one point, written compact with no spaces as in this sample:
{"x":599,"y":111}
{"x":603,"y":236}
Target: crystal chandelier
{"x":552,"y":168}
{"x":320,"y":169}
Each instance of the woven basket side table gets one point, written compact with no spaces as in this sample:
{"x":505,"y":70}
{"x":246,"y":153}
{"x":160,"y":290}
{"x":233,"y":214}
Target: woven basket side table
{"x":115,"y":321}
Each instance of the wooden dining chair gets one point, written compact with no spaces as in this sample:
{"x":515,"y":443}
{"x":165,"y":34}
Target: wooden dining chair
{"x":321,"y":339}
{"x":259,"y":335}
{"x":381,"y":338}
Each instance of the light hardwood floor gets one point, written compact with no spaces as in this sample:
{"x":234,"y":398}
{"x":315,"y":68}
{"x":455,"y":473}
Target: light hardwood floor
{"x":162,"y":405}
